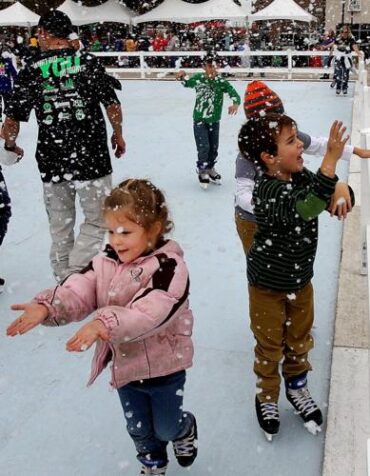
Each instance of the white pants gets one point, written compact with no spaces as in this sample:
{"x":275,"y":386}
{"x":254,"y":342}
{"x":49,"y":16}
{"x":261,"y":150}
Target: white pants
{"x":68,"y":255}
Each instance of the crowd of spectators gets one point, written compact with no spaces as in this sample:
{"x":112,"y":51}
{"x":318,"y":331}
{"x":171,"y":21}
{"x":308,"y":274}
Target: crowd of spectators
{"x":211,"y":37}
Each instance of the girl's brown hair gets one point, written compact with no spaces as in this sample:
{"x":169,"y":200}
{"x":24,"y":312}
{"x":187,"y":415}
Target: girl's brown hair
{"x":144,"y":202}
{"x":261,"y":135}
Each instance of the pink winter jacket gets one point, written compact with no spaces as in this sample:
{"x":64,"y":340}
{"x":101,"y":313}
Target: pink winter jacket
{"x":143,"y":304}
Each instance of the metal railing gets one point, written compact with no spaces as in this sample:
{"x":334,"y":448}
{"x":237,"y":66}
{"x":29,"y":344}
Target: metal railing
{"x":144,"y":70}
{"x":364,"y":97}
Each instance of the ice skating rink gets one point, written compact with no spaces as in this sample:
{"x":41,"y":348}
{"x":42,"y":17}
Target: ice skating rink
{"x":51,"y":424}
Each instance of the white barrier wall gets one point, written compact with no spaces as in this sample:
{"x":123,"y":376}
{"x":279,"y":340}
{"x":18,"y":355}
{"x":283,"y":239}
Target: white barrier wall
{"x":143,"y":70}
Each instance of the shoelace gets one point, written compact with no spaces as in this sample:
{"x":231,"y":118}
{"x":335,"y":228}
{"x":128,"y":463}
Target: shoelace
{"x":185,"y":446}
{"x":145,"y":470}
{"x":214,"y":174}
{"x":270,"y":411}
{"x":303,"y":400}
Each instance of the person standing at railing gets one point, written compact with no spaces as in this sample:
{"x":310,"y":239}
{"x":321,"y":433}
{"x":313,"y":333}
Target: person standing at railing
{"x":342,"y":49}
{"x":160,"y":44}
{"x":131,"y":46}
{"x":210,"y":89}
{"x":172,"y":45}
{"x":257,"y":41}
{"x":326,"y":45}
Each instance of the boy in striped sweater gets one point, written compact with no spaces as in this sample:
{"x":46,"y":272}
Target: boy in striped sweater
{"x":287,"y":201}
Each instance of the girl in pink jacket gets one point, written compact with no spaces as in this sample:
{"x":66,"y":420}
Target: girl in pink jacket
{"x":137,"y":291}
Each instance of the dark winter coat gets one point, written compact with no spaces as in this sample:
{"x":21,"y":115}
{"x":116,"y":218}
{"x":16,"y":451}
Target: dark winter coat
{"x":66,"y":89}
{"x":5,"y":210}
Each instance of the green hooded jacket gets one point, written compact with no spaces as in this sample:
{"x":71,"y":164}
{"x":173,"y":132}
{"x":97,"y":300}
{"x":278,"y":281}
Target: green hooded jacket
{"x":209,"y":96}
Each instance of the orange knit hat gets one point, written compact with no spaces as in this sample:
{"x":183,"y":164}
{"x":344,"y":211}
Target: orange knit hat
{"x":260,"y":99}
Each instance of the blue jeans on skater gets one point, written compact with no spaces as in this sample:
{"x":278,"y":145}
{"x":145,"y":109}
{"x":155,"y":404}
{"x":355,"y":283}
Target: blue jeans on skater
{"x":206,"y":139}
{"x":341,"y":74}
{"x":154,"y":415}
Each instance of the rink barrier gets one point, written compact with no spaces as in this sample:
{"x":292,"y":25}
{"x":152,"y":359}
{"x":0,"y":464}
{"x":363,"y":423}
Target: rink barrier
{"x":144,"y":71}
{"x":364,"y":122}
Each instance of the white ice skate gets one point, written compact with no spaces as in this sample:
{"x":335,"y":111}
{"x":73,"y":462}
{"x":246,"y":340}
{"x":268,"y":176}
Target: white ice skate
{"x":203,"y":178}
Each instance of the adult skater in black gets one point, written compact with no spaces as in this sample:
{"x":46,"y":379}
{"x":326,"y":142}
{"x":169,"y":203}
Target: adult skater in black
{"x":343,"y":47}
{"x":66,"y":88}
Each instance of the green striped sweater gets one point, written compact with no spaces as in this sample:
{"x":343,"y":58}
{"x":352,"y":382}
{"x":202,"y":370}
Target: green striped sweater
{"x":284,"y":248}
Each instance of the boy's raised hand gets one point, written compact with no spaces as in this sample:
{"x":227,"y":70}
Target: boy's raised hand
{"x":86,"y":336}
{"x":33,"y":315}
{"x":336,"y":141}
{"x":180,"y":74}
{"x":233,"y":109}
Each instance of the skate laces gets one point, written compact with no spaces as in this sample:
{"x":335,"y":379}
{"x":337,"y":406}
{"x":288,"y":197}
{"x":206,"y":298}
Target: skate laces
{"x":214,"y":174}
{"x":269,"y":411}
{"x":303,"y":400}
{"x":153,"y":471}
{"x":185,"y":446}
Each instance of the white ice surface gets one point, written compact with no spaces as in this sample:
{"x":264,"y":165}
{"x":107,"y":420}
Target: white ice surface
{"x":50,"y":423}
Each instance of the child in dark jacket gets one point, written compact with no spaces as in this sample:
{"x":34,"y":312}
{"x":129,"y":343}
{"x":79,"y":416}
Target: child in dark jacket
{"x":287,"y":201}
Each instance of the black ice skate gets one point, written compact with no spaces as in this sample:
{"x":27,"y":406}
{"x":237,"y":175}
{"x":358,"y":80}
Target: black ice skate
{"x":268,"y":418}
{"x":186,"y":448}
{"x":203,"y":178}
{"x":2,"y":284}
{"x":299,"y":396}
{"x":153,"y":465}
{"x":214,"y":176}
{"x":153,"y":470}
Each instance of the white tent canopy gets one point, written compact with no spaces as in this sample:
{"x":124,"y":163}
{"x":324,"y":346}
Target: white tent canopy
{"x":182,"y":12}
{"x":282,"y":10}
{"x":18,"y":15}
{"x":110,"y":11}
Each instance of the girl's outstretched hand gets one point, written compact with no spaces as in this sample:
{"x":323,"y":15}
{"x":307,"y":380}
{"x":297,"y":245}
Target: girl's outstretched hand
{"x":86,"y":336}
{"x":33,"y":315}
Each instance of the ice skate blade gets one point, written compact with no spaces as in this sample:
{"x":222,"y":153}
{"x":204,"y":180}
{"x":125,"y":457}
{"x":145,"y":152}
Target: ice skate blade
{"x":312,"y":427}
{"x":203,"y":186}
{"x":215,"y":182}
{"x":268,"y":436}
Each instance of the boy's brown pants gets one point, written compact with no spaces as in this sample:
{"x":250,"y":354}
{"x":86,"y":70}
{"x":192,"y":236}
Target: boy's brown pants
{"x":246,"y":230}
{"x":281,"y":326}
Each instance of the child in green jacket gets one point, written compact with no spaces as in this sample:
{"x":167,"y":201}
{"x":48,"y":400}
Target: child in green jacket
{"x":210,"y":89}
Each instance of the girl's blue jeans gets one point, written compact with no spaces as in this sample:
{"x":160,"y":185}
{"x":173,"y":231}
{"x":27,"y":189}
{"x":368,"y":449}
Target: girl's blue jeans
{"x":154,"y":415}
